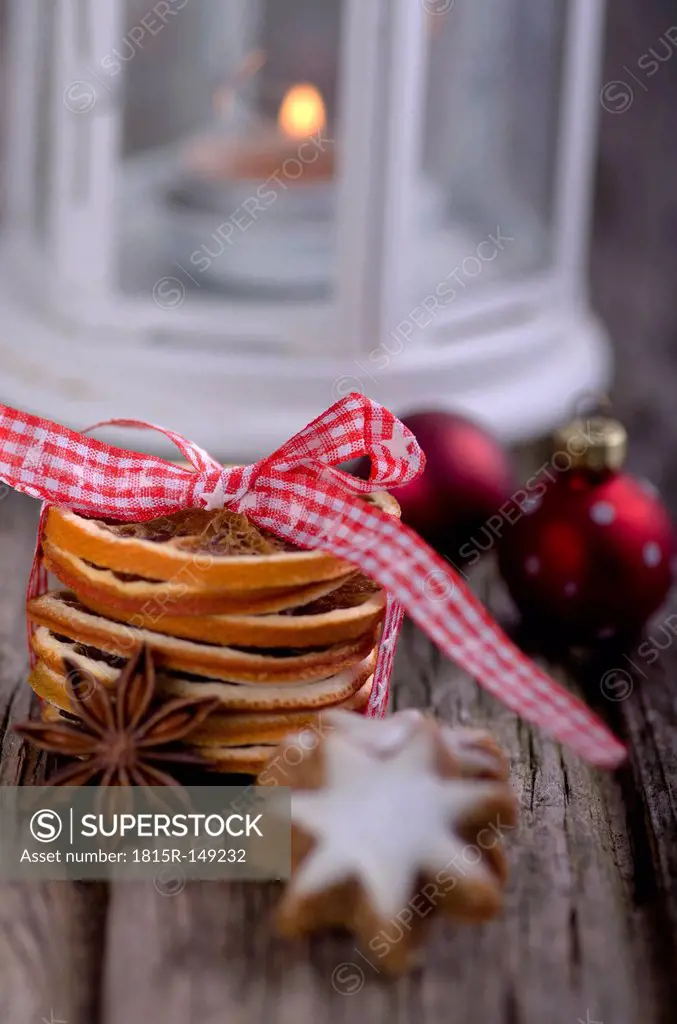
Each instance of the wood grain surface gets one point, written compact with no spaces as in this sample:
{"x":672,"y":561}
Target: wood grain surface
{"x":589,"y":931}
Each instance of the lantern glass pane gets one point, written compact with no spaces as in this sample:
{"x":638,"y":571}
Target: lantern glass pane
{"x":228,"y":111}
{"x":487,"y":179}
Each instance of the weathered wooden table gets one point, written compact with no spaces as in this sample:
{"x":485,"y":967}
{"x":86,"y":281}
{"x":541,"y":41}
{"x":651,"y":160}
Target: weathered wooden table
{"x":588,"y":933}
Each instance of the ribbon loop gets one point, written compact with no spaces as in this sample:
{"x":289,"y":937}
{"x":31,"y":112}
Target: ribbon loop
{"x":192,"y":453}
{"x":352,"y":427}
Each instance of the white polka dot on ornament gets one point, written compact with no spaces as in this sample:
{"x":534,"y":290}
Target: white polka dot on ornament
{"x":531,"y":505}
{"x":603,"y":513}
{"x":651,"y":554}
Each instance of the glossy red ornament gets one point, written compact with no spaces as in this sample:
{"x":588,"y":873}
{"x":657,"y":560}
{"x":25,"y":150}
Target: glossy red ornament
{"x":591,"y":556}
{"x":467,"y":477}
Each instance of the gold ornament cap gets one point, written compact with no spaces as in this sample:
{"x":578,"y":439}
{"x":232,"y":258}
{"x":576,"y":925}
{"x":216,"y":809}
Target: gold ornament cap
{"x":597,"y":443}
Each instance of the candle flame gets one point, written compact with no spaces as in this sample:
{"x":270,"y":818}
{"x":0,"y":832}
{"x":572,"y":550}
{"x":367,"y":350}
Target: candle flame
{"x":302,"y":112}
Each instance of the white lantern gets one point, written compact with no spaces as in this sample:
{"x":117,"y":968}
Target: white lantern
{"x":225,"y":214}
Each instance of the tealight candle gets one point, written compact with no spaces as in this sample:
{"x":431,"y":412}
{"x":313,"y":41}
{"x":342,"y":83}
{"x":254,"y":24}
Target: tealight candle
{"x":259,"y":156}
{"x":272,"y":191}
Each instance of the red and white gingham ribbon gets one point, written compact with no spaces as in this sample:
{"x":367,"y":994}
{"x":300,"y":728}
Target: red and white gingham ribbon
{"x":299,"y":493}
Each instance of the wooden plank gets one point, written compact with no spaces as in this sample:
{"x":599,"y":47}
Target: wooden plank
{"x":563,"y":946}
{"x":50,"y":933}
{"x":640,"y":680}
{"x":572,"y":941}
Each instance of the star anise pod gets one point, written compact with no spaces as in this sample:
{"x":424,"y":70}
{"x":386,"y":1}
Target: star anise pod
{"x":119,"y":739}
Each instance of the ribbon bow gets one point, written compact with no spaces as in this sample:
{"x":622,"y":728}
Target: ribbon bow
{"x":299,"y":493}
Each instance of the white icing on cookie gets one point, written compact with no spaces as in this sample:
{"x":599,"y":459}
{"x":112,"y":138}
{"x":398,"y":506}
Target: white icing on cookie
{"x":384,"y":821}
{"x":381,"y":735}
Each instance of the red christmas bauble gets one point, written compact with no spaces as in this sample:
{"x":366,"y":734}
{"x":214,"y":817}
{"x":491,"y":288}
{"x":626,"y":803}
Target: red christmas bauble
{"x":467,"y":477}
{"x":591,"y":555}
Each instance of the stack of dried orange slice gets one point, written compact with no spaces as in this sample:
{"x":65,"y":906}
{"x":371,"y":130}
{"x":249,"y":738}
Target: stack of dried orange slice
{"x":229,"y":611}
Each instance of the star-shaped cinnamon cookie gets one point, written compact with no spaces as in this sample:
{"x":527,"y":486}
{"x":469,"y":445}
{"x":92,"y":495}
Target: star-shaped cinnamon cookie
{"x":392,"y":821}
